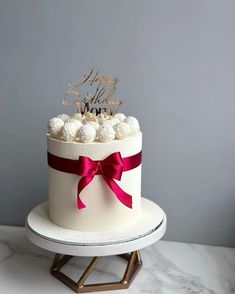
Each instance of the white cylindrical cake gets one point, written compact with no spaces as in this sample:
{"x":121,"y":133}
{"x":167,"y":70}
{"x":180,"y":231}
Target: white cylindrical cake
{"x":103,"y":210}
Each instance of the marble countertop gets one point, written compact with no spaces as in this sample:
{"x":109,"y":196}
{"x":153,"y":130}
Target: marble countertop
{"x":168,"y":268}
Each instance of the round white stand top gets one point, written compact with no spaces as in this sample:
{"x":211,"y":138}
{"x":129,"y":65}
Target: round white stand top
{"x":149,"y":228}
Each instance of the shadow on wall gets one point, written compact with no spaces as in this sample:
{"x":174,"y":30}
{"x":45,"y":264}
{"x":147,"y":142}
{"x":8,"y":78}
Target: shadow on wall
{"x":21,"y":202}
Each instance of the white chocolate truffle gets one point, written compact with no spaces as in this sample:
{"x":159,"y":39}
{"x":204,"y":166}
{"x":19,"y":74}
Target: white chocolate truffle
{"x":93,"y":123}
{"x":74,"y":121}
{"x":114,"y":121}
{"x":78,"y":116}
{"x":87,"y":133}
{"x":105,"y":133}
{"x":68,"y":131}
{"x":133,"y":123}
{"x":105,"y":122}
{"x":120,"y":116}
{"x":123,"y":130}
{"x":54,"y":126}
{"x":63,"y":116}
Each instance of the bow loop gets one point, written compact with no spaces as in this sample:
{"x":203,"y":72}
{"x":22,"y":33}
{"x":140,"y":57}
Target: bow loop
{"x":112,"y":166}
{"x":86,"y":166}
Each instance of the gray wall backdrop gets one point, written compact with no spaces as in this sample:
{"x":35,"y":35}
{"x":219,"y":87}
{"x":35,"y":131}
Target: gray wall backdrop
{"x":176,"y":65}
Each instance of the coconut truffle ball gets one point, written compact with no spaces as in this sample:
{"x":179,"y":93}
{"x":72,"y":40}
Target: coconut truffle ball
{"x":74,"y":121}
{"x":63,"y":116}
{"x":87,"y":133}
{"x":105,"y":133}
{"x":123,"y":130}
{"x":114,"y":121}
{"x":105,"y":122}
{"x":133,"y":123}
{"x":54,"y":126}
{"x":120,"y":116}
{"x":68,"y":131}
{"x":78,"y":116}
{"x":93,"y":123}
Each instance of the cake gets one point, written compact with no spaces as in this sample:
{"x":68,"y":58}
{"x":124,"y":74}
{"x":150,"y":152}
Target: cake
{"x":94,"y":168}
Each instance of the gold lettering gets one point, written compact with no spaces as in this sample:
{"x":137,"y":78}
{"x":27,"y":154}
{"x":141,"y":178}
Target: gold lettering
{"x":86,"y":77}
{"x":101,"y":98}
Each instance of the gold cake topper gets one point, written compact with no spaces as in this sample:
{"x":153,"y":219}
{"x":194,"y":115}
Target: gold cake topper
{"x":99,"y":96}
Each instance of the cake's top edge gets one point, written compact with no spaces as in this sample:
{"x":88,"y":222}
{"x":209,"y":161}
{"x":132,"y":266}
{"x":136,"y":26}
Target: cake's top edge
{"x":91,"y":128}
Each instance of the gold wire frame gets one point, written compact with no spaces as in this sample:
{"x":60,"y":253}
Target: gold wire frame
{"x":134,"y":263}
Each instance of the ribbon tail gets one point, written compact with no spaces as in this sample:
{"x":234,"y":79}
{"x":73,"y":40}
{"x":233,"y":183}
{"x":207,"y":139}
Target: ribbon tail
{"x":122,"y":196}
{"x":84,"y":181}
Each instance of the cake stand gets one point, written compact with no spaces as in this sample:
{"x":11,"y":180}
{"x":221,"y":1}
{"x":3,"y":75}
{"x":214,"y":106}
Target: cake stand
{"x":126,"y":243}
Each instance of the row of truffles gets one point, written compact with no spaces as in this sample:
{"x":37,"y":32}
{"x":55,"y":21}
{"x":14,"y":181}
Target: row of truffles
{"x":89,"y":127}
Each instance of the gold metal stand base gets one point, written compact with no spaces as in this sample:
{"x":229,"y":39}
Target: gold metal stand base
{"x":134,"y":263}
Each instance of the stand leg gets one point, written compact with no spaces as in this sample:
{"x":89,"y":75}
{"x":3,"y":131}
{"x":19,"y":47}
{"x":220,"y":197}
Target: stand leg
{"x":87,"y":271}
{"x":134,"y":263}
{"x":129,"y":268}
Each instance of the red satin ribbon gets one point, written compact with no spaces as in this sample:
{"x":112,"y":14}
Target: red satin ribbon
{"x":110,"y":168}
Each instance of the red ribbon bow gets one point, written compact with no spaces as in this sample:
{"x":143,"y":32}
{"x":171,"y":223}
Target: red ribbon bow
{"x":110,"y":168}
